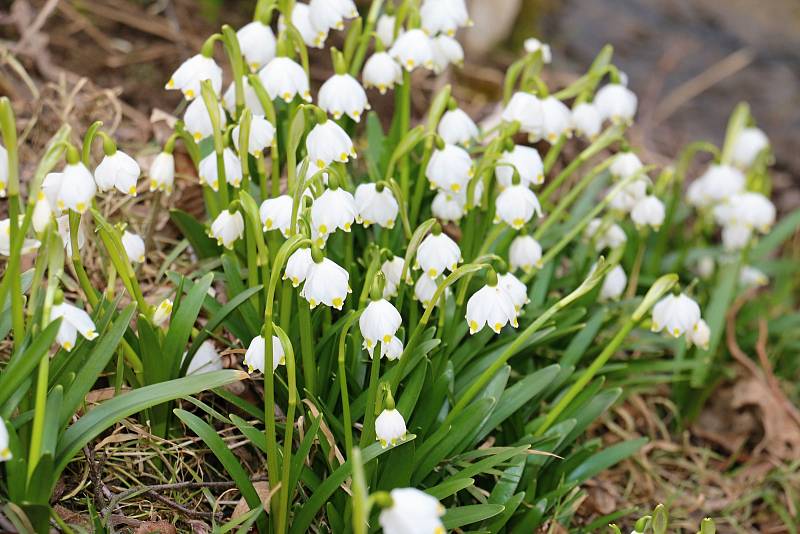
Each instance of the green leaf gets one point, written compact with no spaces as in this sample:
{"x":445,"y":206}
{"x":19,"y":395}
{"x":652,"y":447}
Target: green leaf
{"x":195,"y":233}
{"x":466,"y":515}
{"x":183,"y":320}
{"x":604,"y":459}
{"x":782,"y":231}
{"x":22,"y":364}
{"x":221,"y":315}
{"x":511,"y":506}
{"x":450,"y":487}
{"x":255,"y":436}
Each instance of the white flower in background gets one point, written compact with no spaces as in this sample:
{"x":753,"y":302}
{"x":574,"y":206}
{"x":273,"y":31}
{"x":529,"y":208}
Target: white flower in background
{"x":616,"y":103}
{"x":750,"y":143}
{"x":162,"y":312}
{"x":382,"y":72}
{"x":448,"y":207}
{"x":162,"y":173}
{"x":457,"y":128}
{"x":649,"y":211}
{"x":556,"y":120}
{"x":586,"y":120}
{"x":198,"y":121}
{"x":753,"y":210}
{"x":134,"y":246}
{"x":334,"y":209}
{"x":205,"y":360}
{"x":393,"y":349}
{"x":718,"y":183}
{"x":254,"y":357}
{"x":330,"y":14}
{"x":700,"y":335}
{"x":614,"y":283}
{"x":64,"y":233}
{"x":3,"y":171}
{"x":42,"y":213}
{"x":257,"y":43}
{"x":193,"y":71}
{"x":438,"y":253}
{"x":528,"y":163}
{"x":705,"y":267}
{"x":676,"y":314}
{"x":384,"y":29}
{"x":413,"y":49}
{"x":341,"y":94}
{"x":612,"y":235}
{"x":283,"y":78}
{"x":328,"y":142}
{"x":625,"y":165}
{"x":251,"y":100}
{"x":73,"y":321}
{"x":525,"y":253}
{"x":5,"y":451}
{"x":209,"y":174}
{"x":376,"y":205}
{"x":227,"y":228}
{"x":516,"y":290}
{"x":444,"y":16}
{"x":412,"y":512}
{"x":301,"y":20}
{"x":390,"y":427}
{"x":517,"y":205}
{"x":297,"y":266}
{"x":736,"y":236}
{"x":392,"y":270}
{"x":527,"y":110}
{"x":449,"y":169}
{"x":533,"y":45}
{"x":446,"y":50}
{"x":118,"y":170}
{"x":276,"y":214}
{"x":425,"y":289}
{"x":491,"y":305}
{"x":262,"y":133}
{"x":631,"y":193}
{"x":378,"y":323}
{"x":28,"y":245}
{"x":749,"y":276}
{"x":326,"y":283}
{"x":75,"y":187}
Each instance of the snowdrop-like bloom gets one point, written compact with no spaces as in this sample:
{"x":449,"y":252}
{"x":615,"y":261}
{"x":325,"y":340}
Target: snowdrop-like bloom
{"x":118,"y":170}
{"x":616,"y":103}
{"x":28,"y":245}
{"x":753,"y":210}
{"x":413,"y":49}
{"x":250,"y":98}
{"x":262,"y":132}
{"x":736,"y":236}
{"x":328,"y":142}
{"x":326,"y":283}
{"x":412,"y":512}
{"x":749,"y":276}
{"x":198,"y":121}
{"x":528,"y":163}
{"x":438,"y":253}
{"x":446,"y":50}
{"x":376,"y":205}
{"x":297,"y":266}
{"x":301,"y":20}
{"x":449,"y":169}
{"x":525,"y":253}
{"x":586,"y":120}
{"x":384,"y":29}
{"x":162,"y":173}
{"x":392,"y":270}
{"x":748,"y":146}
{"x":193,"y":71}
{"x":718,"y":183}
{"x":341,"y":94}
{"x":676,"y":314}
{"x":334,"y":209}
{"x":613,"y":284}
{"x":75,"y":187}
{"x":227,"y":228}
{"x":134,"y":246}
{"x":425,"y":289}
{"x":233,"y":169}
{"x":283,"y":78}
{"x":73,"y":321}
{"x":556,"y":120}
{"x":64,"y":233}
{"x":378,"y":323}
{"x":491,"y":305}
{"x":393,"y":349}
{"x":3,"y":171}
{"x":631,"y":193}
{"x":533,"y":45}
{"x":457,"y":128}
{"x":517,"y":205}
{"x":276,"y":214}
{"x":515,"y":288}
{"x":700,"y":335}
{"x":448,"y":207}
{"x":254,"y":357}
{"x":257,"y":43}
{"x":612,"y":237}
{"x":649,"y":211}
{"x":390,"y":427}
{"x":330,"y":14}
{"x":382,"y":72}
{"x":5,"y":451}
{"x":444,"y":16}
{"x":162,"y":312}
{"x":625,"y":165}
{"x":205,"y":360}
{"x":42,"y":213}
{"x":527,"y":110}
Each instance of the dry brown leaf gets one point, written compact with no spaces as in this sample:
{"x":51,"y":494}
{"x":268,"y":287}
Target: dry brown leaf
{"x":262,"y":488}
{"x":161,"y":527}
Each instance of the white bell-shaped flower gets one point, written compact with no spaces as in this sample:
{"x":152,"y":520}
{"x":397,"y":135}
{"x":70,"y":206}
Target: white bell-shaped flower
{"x":631,"y":193}
{"x":257,"y":43}
{"x":64,"y":233}
{"x":28,"y":245}
{"x":193,"y":71}
{"x":586,"y":120}
{"x":413,"y":49}
{"x":526,"y":160}
{"x":341,"y":94}
{"x":533,"y":45}
{"x":326,"y":283}
{"x":614,"y":284}
{"x":444,"y":16}
{"x":748,"y":145}
{"x":5,"y":450}
{"x":449,"y":169}
{"x":384,"y":29}
{"x":700,"y":335}
{"x":491,"y":305}
{"x":42,"y":213}
{"x":448,"y":206}
{"x":517,"y":205}
{"x":649,"y":211}
{"x":676,"y":314}
{"x":425,"y":289}
{"x":198,"y":121}
{"x":736,"y":236}
{"x":526,"y":109}
{"x":457,"y":128}
{"x":378,"y":323}
{"x":118,"y":170}
{"x":616,"y":103}
{"x":73,"y":321}
{"x":376,"y":205}
{"x":276,"y":214}
{"x":750,"y":276}
{"x":334,"y":209}
{"x":301,"y":20}
{"x":162,"y":312}
{"x":134,"y":246}
{"x":262,"y":133}
{"x":209,"y":174}
{"x":625,"y":165}
{"x":205,"y":360}
{"x":3,"y":172}
{"x":297,"y":266}
{"x":390,"y":427}
{"x":328,"y":142}
{"x":611,"y":236}
{"x":515,"y":289}
{"x":251,"y":100}
{"x":227,"y":228}
{"x":393,"y":349}
{"x":162,"y":173}
{"x":556,"y":120}
{"x":285,"y":79}
{"x":330,"y":14}
{"x":525,"y":253}
{"x":412,"y":512}
{"x":750,"y":209}
{"x":438,"y":253}
{"x":51,"y":187}
{"x":392,"y":270}
{"x":717,"y":183}
{"x":77,"y":188}
{"x":382,"y":72}
{"x":446,"y":51}
{"x":254,"y":357}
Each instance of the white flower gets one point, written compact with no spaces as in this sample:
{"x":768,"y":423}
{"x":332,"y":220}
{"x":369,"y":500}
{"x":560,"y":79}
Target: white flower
{"x":449,"y":169}
{"x":492,"y":306}
{"x":384,"y":29}
{"x":134,"y":246}
{"x":378,"y":323}
{"x":276,"y":214}
{"x":753,"y":210}
{"x":413,"y":49}
{"x":677,"y":314}
{"x":390,"y":428}
{"x":162,"y":172}
{"x":631,"y":193}
{"x":649,"y":211}
{"x":381,"y":72}
{"x":392,"y":350}
{"x":341,"y":94}
{"x":586,"y":120}
{"x":556,"y":120}
{"x":612,"y":237}
{"x":283,"y":78}
{"x":251,"y":100}
{"x":516,"y":290}
{"x":527,"y":110}
{"x":750,"y":143}
{"x":446,"y":50}
{"x":736,"y":236}
{"x":749,"y":276}
{"x":334,"y":209}
{"x":326,"y":283}
{"x":457,"y":128}
{"x":392,"y":269}
{"x":73,"y":321}
{"x":3,"y":170}
{"x":412,"y":512}
{"x":254,"y":357}
{"x":5,"y":451}
{"x":718,"y":183}
{"x":205,"y":360}
{"x":533,"y":45}
{"x":614,"y":283}
{"x":162,"y":312}
{"x":447,"y":206}
{"x":526,"y":160}
{"x":443,"y":16}
{"x":257,"y":43}
{"x":330,"y":14}
{"x":616,"y":103}
{"x":700,"y":335}
{"x":438,"y":253}
{"x":64,"y":232}
{"x":376,"y":205}
{"x":118,"y":170}
{"x":42,"y":213}
{"x":198,"y":121}
{"x":301,"y":20}
{"x":77,"y":188}
{"x":328,"y":142}
{"x":193,"y":71}
{"x":28,"y":245}
{"x":625,"y":165}
{"x":209,"y":174}
{"x":227,"y":228}
{"x":262,"y":132}
{"x":705,"y":267}
{"x":525,"y":253}
{"x":297,"y":266}
{"x":517,"y":205}
{"x":425,"y":289}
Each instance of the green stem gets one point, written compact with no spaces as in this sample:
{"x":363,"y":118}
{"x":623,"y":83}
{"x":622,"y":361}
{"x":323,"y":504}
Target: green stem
{"x":368,"y":432}
{"x":361,"y":503}
{"x":363,"y":43}
{"x":347,"y":418}
{"x":286,"y":491}
{"x":77,"y":262}
{"x":307,"y":346}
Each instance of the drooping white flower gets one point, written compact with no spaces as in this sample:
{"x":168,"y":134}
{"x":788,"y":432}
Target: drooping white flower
{"x":425,"y":289}
{"x":5,"y":451}
{"x":649,"y":211}
{"x":614,"y":284}
{"x":629,"y":195}
{"x":198,"y":121}
{"x":676,"y":314}
{"x":717,"y":183}
{"x":446,"y":50}
{"x":334,"y":209}
{"x":438,"y":253}
{"x":517,"y":205}
{"x":301,"y":20}
{"x":749,"y":209}
{"x":326,"y":283}
{"x":382,"y":72}
{"x":162,"y":312}
{"x":384,"y":29}
{"x":457,"y":128}
{"x":525,"y":253}
{"x":76,"y":189}
{"x":736,"y":236}
{"x":3,"y":171}
{"x":209,"y":174}
{"x":516,"y":290}
{"x":251,"y":100}
{"x":378,"y":323}
{"x":328,"y":142}
{"x":227,"y":228}
{"x":413,"y":49}
{"x":254,"y":357}
{"x":750,"y":276}
{"x":533,"y":45}
{"x":492,"y":306}
{"x":73,"y":321}
{"x":162,"y":173}
{"x":390,"y":427}
{"x":586,"y":120}
{"x":625,"y":165}
{"x":528,"y":163}
{"x":412,"y":512}
{"x":527,"y":110}
{"x":376,"y":205}
{"x":193,"y":71}
{"x":118,"y":170}
{"x":392,"y":270}
{"x":700,"y":335}
{"x":28,"y":245}
{"x":616,"y":103}
{"x":444,"y":16}
{"x":297,"y":266}
{"x":42,"y":213}
{"x":205,"y":360}
{"x":276,"y":214}
{"x":750,"y":143}
{"x":393,"y":349}
{"x":134,"y":246}
{"x":284,"y":78}
{"x":262,"y":133}
{"x":341,"y":94}
{"x":448,"y":206}
{"x":612,"y":235}
{"x":449,"y":169}
{"x":64,"y":233}
{"x":330,"y":14}
{"x":257,"y":43}
{"x":556,"y":120}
